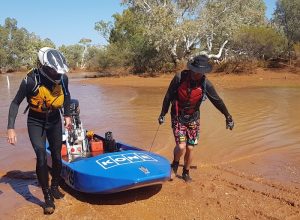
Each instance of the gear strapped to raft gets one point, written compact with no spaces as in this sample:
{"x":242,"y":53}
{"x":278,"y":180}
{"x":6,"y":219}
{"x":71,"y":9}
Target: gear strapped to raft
{"x":75,"y":138}
{"x":81,"y":143}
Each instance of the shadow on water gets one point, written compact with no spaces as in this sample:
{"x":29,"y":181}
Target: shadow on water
{"x":114,"y":198}
{"x":20,"y":182}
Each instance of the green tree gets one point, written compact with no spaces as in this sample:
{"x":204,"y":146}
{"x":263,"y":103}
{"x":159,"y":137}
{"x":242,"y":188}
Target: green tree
{"x":287,"y":16}
{"x":86,"y":43}
{"x":19,"y":47}
{"x":34,"y":44}
{"x":3,"y":48}
{"x":125,"y":38}
{"x":94,"y":56}
{"x":73,"y":54}
{"x":151,"y":34}
{"x":171,"y":26}
{"x":221,"y":19}
{"x":259,"y":42}
{"x":104,"y":28}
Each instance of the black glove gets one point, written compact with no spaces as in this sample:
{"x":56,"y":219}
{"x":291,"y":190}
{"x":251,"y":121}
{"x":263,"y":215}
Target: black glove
{"x":161,"y":119}
{"x":229,"y":122}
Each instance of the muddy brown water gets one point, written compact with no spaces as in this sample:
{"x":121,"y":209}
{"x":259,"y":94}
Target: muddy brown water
{"x":261,"y":154}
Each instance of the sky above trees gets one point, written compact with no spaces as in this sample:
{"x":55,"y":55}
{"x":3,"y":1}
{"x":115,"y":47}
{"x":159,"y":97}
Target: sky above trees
{"x":68,"y":21}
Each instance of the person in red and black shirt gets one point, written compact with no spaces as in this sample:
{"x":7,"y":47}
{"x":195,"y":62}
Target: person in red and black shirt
{"x":186,"y":92}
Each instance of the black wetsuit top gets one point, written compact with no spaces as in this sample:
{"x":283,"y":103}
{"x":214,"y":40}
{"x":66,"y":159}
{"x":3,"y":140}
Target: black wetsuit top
{"x":210,"y":92}
{"x":26,"y":90}
{"x":41,"y":126}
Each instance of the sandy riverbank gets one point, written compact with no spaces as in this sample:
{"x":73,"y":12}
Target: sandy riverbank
{"x":262,"y":78}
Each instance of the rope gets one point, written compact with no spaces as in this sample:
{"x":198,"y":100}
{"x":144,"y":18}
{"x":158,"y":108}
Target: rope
{"x":154,"y":137}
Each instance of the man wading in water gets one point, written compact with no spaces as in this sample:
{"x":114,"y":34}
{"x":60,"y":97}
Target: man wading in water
{"x":186,"y":92}
{"x":46,"y":90}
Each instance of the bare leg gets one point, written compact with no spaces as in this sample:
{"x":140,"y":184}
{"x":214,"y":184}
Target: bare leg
{"x":179,"y":151}
{"x":188,"y":157}
{"x":187,"y":163}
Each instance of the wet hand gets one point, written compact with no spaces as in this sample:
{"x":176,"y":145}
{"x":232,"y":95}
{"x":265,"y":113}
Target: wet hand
{"x":161,"y":119}
{"x":11,"y":136}
{"x":229,"y":122}
{"x":68,"y":124}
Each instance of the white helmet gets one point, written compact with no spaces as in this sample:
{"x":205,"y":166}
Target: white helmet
{"x":53,"y":59}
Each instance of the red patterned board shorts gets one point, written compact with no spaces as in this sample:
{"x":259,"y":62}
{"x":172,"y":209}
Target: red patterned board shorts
{"x":188,"y":133}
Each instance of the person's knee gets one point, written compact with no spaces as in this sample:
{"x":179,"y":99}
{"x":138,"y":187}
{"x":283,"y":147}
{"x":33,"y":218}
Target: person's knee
{"x":56,"y":154}
{"x":190,"y":147}
{"x":56,"y":158}
{"x":41,"y":157}
{"x":181,"y":146}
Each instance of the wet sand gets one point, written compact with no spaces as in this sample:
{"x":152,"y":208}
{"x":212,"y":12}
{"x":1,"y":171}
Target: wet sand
{"x":251,"y":172}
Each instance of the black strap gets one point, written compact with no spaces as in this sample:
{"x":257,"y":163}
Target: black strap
{"x":203,"y":86}
{"x":26,"y":109}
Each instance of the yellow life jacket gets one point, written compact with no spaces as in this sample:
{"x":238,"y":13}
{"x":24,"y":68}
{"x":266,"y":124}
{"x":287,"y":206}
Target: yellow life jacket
{"x":46,"y":100}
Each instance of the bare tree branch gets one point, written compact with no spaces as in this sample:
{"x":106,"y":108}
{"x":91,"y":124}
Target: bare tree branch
{"x":217,"y":56}
{"x":214,"y":56}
